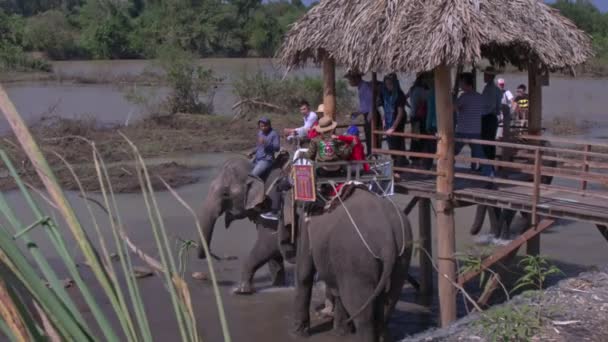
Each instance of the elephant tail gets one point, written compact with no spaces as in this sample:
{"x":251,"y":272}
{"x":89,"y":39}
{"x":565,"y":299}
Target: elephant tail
{"x":388,"y":263}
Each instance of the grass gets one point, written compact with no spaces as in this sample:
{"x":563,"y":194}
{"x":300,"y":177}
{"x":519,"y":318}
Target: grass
{"x":58,"y":318}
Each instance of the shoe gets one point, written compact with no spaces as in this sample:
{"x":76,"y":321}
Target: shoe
{"x":270,"y":216}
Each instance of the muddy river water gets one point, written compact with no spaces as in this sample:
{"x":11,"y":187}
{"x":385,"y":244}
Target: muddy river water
{"x":265,"y":316}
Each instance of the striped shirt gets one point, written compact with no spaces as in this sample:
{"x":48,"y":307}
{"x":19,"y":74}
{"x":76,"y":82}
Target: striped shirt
{"x":471,"y":107}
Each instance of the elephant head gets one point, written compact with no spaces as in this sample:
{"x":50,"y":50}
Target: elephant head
{"x":233,"y":193}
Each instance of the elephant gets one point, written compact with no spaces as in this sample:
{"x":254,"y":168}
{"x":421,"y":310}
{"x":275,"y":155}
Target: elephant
{"x":361,"y":248}
{"x":501,"y":219}
{"x":237,"y":195}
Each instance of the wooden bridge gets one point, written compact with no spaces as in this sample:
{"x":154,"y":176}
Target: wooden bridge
{"x":581,"y":192}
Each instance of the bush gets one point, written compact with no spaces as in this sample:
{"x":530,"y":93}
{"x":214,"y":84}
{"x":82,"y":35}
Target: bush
{"x":187,"y":81}
{"x":51,"y":33}
{"x":261,"y":92}
{"x":105,"y":30}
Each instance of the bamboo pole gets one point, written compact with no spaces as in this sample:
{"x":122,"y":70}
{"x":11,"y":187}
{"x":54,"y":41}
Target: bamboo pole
{"x":329,"y":86}
{"x":374,"y":113}
{"x":426,"y":265}
{"x":445,"y":186}
{"x":534,"y":128}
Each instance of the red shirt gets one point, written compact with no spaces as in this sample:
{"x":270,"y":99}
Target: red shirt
{"x":358,"y":152}
{"x":312,"y":133}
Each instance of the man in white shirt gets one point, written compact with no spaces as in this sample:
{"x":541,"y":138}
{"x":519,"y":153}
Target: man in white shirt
{"x":309,"y":117}
{"x":506,"y":103}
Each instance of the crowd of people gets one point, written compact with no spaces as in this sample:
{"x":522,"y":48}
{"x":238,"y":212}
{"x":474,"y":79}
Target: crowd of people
{"x":478,"y":116}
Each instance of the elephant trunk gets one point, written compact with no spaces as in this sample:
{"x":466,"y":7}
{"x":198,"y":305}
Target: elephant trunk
{"x":212,"y":209}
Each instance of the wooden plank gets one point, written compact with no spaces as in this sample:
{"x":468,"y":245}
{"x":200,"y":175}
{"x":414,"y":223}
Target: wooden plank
{"x":416,"y":171}
{"x":426,"y":242}
{"x":446,"y":239}
{"x":582,"y":142}
{"x":329,"y":86}
{"x":536,"y":188}
{"x":505,"y":251}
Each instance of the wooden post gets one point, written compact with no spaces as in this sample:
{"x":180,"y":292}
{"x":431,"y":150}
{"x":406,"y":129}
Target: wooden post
{"x":426,"y":264}
{"x":445,"y":186}
{"x":534,"y":127}
{"x":329,"y":86}
{"x":585,"y":166}
{"x":374,"y":113}
{"x":536,"y":100}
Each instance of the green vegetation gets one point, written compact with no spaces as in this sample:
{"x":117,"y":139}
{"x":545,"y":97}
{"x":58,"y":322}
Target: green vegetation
{"x":106,"y":29}
{"x":263,"y":93}
{"x":589,"y":18}
{"x":32,"y":311}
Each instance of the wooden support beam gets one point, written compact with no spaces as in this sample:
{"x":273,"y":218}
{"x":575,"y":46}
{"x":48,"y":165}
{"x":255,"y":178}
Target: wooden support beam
{"x":536,"y":99}
{"x":507,"y":250}
{"x":329,"y":86}
{"x":446,"y":239}
{"x":489,"y":289}
{"x":426,"y":243}
{"x":410,"y":206}
{"x":604,"y":230}
{"x":374,"y":114}
{"x":535,"y":128}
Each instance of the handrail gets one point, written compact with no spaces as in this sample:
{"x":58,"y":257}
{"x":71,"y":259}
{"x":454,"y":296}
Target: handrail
{"x":408,"y":135}
{"x":563,"y":140}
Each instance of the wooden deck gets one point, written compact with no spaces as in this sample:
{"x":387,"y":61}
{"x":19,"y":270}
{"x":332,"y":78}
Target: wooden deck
{"x":551,"y":203}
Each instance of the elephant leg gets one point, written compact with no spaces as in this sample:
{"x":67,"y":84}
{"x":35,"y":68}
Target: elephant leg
{"x":505,"y":223}
{"x":341,"y":328}
{"x":353,"y":295}
{"x":480,"y":215}
{"x":277,"y":270}
{"x":305,"y":273}
{"x":494,"y":214}
{"x":264,"y":250}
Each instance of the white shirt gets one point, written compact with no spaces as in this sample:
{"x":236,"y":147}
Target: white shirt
{"x":507,"y":98}
{"x":309,"y":121}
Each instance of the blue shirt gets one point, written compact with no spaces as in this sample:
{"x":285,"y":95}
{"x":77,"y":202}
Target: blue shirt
{"x":266,"y":148}
{"x":365,"y":97}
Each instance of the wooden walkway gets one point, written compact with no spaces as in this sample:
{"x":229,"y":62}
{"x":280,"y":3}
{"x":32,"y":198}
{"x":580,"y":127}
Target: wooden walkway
{"x":551,"y":203}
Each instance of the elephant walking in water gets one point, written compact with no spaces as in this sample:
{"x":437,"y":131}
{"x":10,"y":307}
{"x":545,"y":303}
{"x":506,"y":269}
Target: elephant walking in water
{"x":237,"y":195}
{"x":361,"y":249}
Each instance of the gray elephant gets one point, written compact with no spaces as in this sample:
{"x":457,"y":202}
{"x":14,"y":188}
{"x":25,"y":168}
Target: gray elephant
{"x":237,"y":195}
{"x":361,"y":248}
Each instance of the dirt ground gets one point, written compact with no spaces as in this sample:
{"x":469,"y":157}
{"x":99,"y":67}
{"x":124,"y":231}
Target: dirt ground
{"x":574,"y":310}
{"x":156,"y":137}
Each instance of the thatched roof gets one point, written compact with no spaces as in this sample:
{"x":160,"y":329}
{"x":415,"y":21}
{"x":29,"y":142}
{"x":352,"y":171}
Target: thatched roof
{"x":418,"y":35}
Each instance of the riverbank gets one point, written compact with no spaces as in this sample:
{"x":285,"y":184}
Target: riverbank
{"x":164,"y":138}
{"x":575,"y":309}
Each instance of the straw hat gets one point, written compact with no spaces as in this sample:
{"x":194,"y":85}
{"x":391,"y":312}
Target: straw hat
{"x":326,"y":124}
{"x":321,"y":108}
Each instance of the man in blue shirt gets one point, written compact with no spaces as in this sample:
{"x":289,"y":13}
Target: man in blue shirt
{"x":267,"y":145}
{"x":364,"y":90}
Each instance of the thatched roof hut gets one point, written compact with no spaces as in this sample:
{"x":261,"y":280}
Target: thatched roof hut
{"x":415,"y":35}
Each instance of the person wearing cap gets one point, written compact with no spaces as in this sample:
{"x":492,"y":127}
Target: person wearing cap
{"x":309,"y":117}
{"x":489,"y":123}
{"x":326,"y":148}
{"x":365,"y":92}
{"x":352,"y":138}
{"x":268,"y":143}
{"x":506,"y":103}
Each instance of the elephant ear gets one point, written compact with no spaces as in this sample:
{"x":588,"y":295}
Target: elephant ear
{"x":255,"y":193}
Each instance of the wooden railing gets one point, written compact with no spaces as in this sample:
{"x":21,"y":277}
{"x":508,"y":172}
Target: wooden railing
{"x":579,"y":161}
